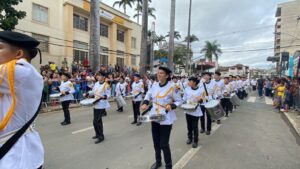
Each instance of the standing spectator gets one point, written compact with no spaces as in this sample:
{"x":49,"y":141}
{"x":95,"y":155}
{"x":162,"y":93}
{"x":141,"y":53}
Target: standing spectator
{"x":253,"y":84}
{"x":260,"y":86}
{"x":268,"y":87}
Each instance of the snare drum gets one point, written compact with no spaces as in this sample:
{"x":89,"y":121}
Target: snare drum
{"x":88,"y":102}
{"x":155,"y":118}
{"x":214,"y":109}
{"x":189,"y":107}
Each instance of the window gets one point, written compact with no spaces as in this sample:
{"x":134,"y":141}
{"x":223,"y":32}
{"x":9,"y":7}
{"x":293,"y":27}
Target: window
{"x":133,"y":59}
{"x":120,"y":53}
{"x":80,"y":22}
{"x":80,"y":56}
{"x":104,"y":55}
{"x":133,"y":42}
{"x":120,"y":35}
{"x":104,"y":30}
{"x":120,"y":62}
{"x":39,"y":13}
{"x":80,"y":51}
{"x":44,"y":42}
{"x":80,"y":45}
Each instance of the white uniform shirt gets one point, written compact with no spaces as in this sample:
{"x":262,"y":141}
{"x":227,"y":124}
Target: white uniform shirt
{"x":28,"y":152}
{"x":220,"y":88}
{"x":163,"y":95}
{"x":100,"y":90}
{"x":227,"y":89}
{"x":211,"y":89}
{"x":121,"y":89}
{"x":190,"y":96}
{"x":239,"y":84}
{"x":137,"y":88}
{"x":234,"y":85}
{"x":253,"y":82}
{"x":67,"y":87}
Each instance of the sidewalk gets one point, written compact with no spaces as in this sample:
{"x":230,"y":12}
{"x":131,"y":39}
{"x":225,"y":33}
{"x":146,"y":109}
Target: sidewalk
{"x":294,"y":120}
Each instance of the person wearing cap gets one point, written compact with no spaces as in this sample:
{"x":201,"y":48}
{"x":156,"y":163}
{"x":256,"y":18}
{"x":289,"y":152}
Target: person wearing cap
{"x":193,"y":95}
{"x":211,"y":87}
{"x":219,"y":89}
{"x":66,"y":89}
{"x":225,"y":101}
{"x":101,"y":90}
{"x":165,"y":99}
{"x":137,"y":91}
{"x":21,"y":89}
{"x":121,"y":91}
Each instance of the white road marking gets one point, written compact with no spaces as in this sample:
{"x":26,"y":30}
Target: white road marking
{"x":186,"y":158}
{"x":251,"y":99}
{"x":268,"y":101}
{"x":83,"y":130}
{"x":130,"y":116}
{"x":192,"y":152}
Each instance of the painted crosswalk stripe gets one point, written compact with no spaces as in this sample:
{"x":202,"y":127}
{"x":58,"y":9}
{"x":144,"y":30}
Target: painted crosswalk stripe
{"x":268,"y":101}
{"x":83,"y":130}
{"x":251,"y":99}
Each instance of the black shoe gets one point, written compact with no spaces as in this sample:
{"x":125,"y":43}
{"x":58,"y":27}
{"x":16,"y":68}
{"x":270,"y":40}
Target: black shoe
{"x":65,"y":123}
{"x":156,"y":165}
{"x":139,"y":123}
{"x":195,"y":145}
{"x":226,"y":115}
{"x":207,"y":132}
{"x":104,"y":114}
{"x":202,"y":131}
{"x":99,"y":140}
{"x":189,"y":141}
{"x":218,"y":121}
{"x":94,"y":137}
{"x":134,"y":122}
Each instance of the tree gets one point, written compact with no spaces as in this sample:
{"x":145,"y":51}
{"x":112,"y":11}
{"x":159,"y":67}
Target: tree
{"x":159,"y":40}
{"x":193,"y":38}
{"x":124,"y":3}
{"x":139,"y":3}
{"x":212,"y":49}
{"x":171,"y":34}
{"x":144,"y":42}
{"x":8,"y":15}
{"x":94,"y":49}
{"x":176,"y":35}
{"x":180,"y":55}
{"x":139,"y":9}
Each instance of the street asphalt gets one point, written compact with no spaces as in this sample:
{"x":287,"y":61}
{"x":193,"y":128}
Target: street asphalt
{"x":252,"y":137}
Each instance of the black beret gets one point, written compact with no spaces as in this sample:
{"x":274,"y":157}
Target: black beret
{"x":19,"y":39}
{"x":165,"y":69}
{"x":101,"y":74}
{"x":218,"y":73}
{"x":137,"y":75}
{"x":66,"y":74}
{"x":194,"y":79}
{"x":206,"y":73}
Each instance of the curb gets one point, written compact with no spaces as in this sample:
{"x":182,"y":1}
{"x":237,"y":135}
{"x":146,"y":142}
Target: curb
{"x":293,"y":124}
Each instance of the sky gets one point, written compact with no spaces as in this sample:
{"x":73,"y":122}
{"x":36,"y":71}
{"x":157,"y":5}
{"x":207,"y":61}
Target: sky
{"x":237,"y":25}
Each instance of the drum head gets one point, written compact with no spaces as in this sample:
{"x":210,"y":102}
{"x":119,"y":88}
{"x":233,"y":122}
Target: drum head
{"x":55,"y":95}
{"x":212,"y":104}
{"x":188,"y":106}
{"x":87,"y":101}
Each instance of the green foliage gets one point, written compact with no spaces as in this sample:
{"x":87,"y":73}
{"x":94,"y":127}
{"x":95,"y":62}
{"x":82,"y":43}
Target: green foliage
{"x":212,"y":49}
{"x":9,"y":16}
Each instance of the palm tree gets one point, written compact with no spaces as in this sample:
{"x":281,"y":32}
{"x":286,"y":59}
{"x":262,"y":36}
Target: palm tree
{"x":212,"y":49}
{"x":176,"y":35}
{"x":144,"y":42}
{"x":124,"y":3}
{"x":94,"y":49}
{"x":139,"y":9}
{"x":172,"y":35}
{"x":193,"y":38}
{"x":159,"y":39}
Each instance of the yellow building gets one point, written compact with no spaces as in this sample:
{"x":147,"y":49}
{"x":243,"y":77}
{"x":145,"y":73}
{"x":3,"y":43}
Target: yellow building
{"x":62,"y":26}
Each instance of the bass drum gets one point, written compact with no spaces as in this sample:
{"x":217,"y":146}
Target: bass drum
{"x":120,"y":101}
{"x":214,"y":109}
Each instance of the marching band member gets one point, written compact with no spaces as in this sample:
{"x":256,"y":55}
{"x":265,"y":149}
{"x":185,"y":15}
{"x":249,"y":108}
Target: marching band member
{"x":219,"y":89}
{"x":137,"y":91}
{"x":240,"y":87}
{"x":101,"y":90}
{"x":234,"y":88}
{"x":193,"y":94}
{"x":225,"y":101}
{"x":121,"y":91}
{"x":165,"y":99}
{"x":210,"y":86}
{"x":21,"y":89}
{"x":66,"y":89}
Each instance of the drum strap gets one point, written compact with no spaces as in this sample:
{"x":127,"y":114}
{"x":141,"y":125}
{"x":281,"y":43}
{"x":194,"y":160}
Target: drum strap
{"x":11,"y":142}
{"x":205,"y":89}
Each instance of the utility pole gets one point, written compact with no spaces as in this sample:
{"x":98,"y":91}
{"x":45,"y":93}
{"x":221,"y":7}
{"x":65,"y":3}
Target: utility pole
{"x":171,"y":35}
{"x":94,"y":47}
{"x":144,"y":43}
{"x":188,"y":57}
